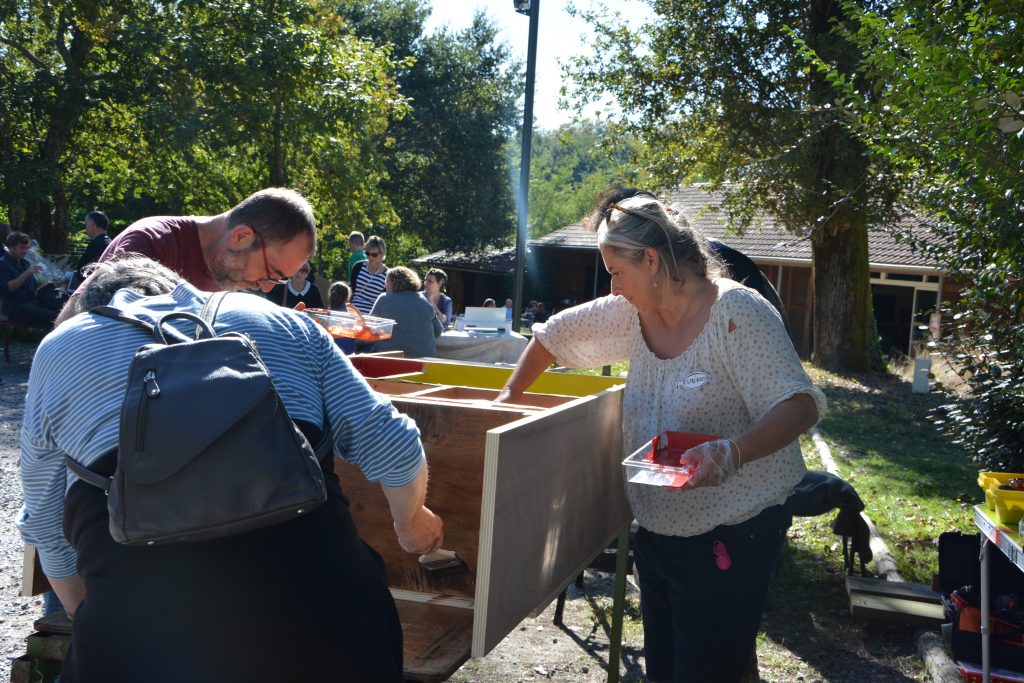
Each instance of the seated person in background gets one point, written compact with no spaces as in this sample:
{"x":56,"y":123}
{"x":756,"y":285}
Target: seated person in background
{"x":433,"y":284}
{"x":337,"y":296}
{"x":199,"y":611}
{"x":23,"y":300}
{"x":416,"y":324}
{"x":368,"y":276}
{"x":337,"y":300}
{"x":96,"y":224}
{"x":508,"y":309}
{"x":298,"y":288}
{"x":539,"y":314}
{"x":489,"y":303}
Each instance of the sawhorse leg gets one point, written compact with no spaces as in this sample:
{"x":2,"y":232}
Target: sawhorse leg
{"x":618,"y":605}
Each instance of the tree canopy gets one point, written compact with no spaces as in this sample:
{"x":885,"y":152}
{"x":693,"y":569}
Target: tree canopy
{"x":717,"y":89}
{"x":187,"y":107}
{"x":937,"y":96}
{"x":569,"y":168}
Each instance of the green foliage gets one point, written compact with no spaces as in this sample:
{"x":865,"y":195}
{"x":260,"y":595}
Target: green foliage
{"x":569,"y":167}
{"x":938,"y":97}
{"x":447,"y":170}
{"x":717,"y":90}
{"x":187,"y":107}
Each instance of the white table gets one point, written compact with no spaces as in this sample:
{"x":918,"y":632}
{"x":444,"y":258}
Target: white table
{"x":481,"y":348}
{"x":1010,"y":545}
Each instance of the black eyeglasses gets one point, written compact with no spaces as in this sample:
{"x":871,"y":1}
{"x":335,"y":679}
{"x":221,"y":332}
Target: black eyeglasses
{"x":266,"y":265}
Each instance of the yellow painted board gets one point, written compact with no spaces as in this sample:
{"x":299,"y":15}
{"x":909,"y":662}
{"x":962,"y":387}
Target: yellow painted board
{"x":489,"y":377}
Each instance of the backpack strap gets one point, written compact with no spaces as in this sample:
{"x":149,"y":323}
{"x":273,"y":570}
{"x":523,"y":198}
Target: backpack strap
{"x":87,"y":475}
{"x":158,"y":331}
{"x":211,"y":308}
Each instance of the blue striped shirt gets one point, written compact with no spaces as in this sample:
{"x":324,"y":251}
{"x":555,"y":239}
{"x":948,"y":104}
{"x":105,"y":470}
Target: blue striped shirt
{"x":74,"y":400}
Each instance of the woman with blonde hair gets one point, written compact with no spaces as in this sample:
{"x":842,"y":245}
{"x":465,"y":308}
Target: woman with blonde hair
{"x":708,"y":356}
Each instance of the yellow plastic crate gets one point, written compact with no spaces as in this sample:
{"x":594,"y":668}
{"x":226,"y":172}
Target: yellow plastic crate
{"x":1009,"y":504}
{"x":994,"y":479}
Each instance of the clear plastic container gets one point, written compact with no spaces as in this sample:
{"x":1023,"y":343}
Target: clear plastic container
{"x":657,"y":463}
{"x":353,"y":325}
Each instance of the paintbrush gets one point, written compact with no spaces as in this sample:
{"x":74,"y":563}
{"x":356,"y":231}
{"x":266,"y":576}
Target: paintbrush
{"x":442,"y":563}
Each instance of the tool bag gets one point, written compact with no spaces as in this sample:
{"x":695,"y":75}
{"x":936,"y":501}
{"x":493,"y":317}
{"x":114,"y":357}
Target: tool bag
{"x":960,"y":580}
{"x":206,"y":448}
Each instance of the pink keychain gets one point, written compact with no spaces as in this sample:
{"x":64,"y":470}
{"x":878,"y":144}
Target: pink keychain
{"x":722,"y":558}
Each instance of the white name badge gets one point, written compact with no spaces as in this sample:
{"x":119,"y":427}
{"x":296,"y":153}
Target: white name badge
{"x":695,"y":380}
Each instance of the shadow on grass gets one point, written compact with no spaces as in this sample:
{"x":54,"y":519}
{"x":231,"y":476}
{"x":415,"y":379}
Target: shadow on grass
{"x":807,"y":614}
{"x":877,"y":421}
{"x":597,"y":596}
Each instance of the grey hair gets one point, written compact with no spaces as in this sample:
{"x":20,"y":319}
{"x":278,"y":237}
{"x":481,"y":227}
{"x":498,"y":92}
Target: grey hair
{"x":137,"y":273}
{"x":647,"y":224}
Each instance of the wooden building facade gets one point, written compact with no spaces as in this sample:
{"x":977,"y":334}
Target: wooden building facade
{"x":564,"y":268}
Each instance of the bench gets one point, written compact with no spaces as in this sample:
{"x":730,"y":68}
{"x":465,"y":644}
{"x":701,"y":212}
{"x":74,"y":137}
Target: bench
{"x":7,"y":325}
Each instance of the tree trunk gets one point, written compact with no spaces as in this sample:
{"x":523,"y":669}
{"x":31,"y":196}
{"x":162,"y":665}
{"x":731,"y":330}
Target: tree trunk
{"x":278,"y":174}
{"x":844,"y":330}
{"x":46,"y":209}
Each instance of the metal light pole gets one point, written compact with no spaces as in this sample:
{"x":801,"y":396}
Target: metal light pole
{"x":531,"y":8}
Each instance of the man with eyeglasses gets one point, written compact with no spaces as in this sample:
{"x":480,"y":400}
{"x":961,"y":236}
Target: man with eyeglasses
{"x":257,"y":244}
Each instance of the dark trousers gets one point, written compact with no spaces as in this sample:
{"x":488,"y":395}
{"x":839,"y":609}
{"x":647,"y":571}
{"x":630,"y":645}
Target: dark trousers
{"x":42,"y":310}
{"x":700,"y":621}
{"x":38,"y":312}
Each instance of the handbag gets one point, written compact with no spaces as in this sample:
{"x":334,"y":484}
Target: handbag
{"x":206,"y":448}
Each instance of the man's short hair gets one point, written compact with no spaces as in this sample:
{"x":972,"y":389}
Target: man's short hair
{"x":278,"y":214}
{"x":137,"y":273}
{"x":16,"y":238}
{"x":99,"y":218}
{"x":357,"y":237}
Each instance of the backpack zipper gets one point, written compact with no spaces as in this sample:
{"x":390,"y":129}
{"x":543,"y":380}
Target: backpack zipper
{"x":150,"y":390}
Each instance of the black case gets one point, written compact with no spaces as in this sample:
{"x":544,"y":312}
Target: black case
{"x":960,"y":565}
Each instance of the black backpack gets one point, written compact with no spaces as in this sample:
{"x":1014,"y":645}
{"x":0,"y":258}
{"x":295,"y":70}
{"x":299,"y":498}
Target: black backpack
{"x":206,"y":447}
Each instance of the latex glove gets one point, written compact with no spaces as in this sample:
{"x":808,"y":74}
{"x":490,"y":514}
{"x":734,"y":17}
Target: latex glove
{"x":712,"y":461}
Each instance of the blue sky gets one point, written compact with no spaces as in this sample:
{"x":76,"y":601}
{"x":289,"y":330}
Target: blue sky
{"x":559,"y":38}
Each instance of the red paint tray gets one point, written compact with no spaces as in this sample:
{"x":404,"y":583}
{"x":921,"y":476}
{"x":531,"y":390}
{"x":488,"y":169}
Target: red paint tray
{"x":657,"y":463}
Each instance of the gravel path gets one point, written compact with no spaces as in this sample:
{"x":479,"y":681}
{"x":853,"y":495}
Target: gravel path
{"x":16,"y":613}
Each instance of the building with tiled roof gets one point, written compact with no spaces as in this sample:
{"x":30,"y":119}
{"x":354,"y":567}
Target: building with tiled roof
{"x":565,"y":266}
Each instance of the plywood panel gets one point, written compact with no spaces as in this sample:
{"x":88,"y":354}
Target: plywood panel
{"x":477,"y":394}
{"x":553,"y":499}
{"x":454,"y":439}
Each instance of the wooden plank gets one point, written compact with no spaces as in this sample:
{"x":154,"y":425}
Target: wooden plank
{"x":896,"y":589}
{"x":553,"y":499}
{"x":57,"y":622}
{"x":453,"y":437}
{"x":888,"y":608}
{"x":33,"y":581}
{"x":480,"y":394}
{"x":436,"y":639}
{"x":393,"y":387}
